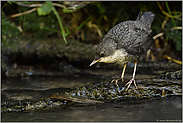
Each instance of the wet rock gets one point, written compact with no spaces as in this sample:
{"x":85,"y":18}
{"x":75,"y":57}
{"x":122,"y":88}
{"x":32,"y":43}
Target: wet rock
{"x":31,"y":106}
{"x":172,"y":75}
{"x":147,"y":88}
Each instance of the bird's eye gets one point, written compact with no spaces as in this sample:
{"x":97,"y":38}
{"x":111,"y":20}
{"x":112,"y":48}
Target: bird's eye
{"x":102,"y":54}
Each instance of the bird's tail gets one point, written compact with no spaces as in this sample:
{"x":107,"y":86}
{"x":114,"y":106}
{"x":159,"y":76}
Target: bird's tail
{"x":146,"y":17}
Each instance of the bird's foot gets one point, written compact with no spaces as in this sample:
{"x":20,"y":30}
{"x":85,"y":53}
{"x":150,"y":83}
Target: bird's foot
{"x":130,"y":82}
{"x":116,"y":81}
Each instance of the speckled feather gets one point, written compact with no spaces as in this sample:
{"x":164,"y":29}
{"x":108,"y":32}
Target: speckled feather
{"x":133,"y":35}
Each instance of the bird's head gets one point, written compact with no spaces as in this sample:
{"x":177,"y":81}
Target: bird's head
{"x":105,"y":51}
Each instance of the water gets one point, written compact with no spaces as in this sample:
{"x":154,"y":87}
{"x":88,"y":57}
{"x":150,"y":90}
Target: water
{"x":141,"y":110}
{"x":34,"y":88}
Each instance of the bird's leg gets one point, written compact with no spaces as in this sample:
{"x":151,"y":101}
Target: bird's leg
{"x":122,"y":75}
{"x":133,"y":77}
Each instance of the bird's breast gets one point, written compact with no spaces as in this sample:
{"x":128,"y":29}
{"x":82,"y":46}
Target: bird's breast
{"x":120,"y":56}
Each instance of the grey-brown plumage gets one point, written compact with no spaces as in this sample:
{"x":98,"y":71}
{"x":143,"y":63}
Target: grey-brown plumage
{"x":126,"y":42}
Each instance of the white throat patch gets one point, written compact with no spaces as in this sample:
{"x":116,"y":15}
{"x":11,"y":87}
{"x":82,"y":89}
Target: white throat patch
{"x":118,"y":57}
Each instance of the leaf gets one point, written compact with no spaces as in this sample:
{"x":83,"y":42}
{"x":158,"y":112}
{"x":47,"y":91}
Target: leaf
{"x":60,"y":23}
{"x":45,"y":9}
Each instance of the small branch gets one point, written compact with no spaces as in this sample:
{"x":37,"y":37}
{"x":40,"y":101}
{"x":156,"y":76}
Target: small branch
{"x":39,"y":5}
{"x":162,"y":33}
{"x":23,"y":13}
{"x":174,"y":60}
{"x":165,"y":13}
{"x":34,"y":9}
{"x":158,"y":35}
{"x":90,"y":24}
{"x":58,"y":5}
{"x":174,"y":28}
{"x":26,"y":5}
{"x":164,"y":22}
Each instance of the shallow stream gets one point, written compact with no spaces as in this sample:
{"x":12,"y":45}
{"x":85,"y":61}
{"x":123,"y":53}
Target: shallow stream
{"x":30,"y":89}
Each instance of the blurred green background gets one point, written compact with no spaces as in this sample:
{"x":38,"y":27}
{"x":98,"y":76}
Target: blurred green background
{"x":40,"y":32}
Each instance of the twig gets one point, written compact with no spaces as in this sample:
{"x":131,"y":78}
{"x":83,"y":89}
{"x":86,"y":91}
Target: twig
{"x":58,"y":5}
{"x":168,"y":15}
{"x":90,"y":24}
{"x":174,"y":28}
{"x":39,"y":5}
{"x":34,"y":9}
{"x":23,"y":13}
{"x":162,"y":33}
{"x":26,"y":5}
{"x":164,"y":22}
{"x":174,"y":60}
{"x":158,"y":35}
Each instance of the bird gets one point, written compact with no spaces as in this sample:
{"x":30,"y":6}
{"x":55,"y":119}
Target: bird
{"x":126,"y":42}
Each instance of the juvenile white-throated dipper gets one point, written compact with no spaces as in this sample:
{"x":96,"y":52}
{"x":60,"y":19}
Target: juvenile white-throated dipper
{"x":126,"y":42}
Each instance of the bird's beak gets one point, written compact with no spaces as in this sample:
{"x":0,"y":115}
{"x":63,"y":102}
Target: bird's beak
{"x":95,"y":61}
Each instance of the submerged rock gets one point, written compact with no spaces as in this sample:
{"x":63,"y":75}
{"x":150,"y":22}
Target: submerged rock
{"x":147,"y":88}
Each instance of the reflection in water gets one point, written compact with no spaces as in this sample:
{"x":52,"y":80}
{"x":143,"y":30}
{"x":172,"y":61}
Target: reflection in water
{"x":127,"y":110}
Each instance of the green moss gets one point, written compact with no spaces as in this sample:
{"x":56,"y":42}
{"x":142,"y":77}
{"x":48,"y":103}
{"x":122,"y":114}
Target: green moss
{"x":9,"y":32}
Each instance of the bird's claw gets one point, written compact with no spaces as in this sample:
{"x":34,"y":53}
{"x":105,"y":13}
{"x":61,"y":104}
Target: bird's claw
{"x":129,"y":83}
{"x":116,"y":81}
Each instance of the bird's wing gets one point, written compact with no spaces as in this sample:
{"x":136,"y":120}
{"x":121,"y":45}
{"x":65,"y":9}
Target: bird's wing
{"x":120,"y":32}
{"x":129,"y":36}
{"x":141,"y":44}
{"x":124,"y":34}
{"x":137,"y":41}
